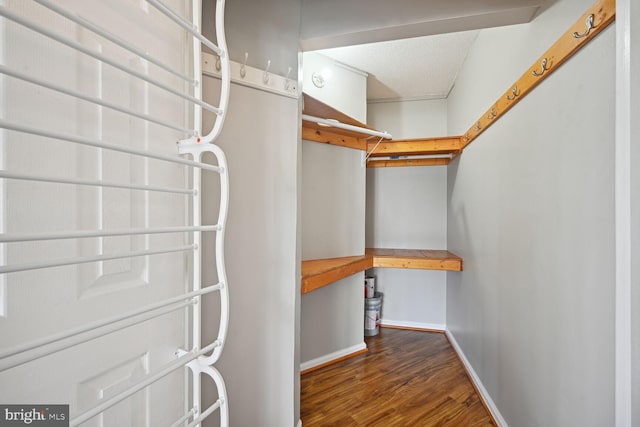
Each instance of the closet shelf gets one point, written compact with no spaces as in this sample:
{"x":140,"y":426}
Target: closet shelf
{"x":441,"y":151}
{"x":317,"y":273}
{"x":424,"y":259}
{"x":315,"y":132}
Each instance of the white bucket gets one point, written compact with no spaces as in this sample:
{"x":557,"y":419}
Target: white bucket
{"x":369,"y":287}
{"x":372,"y":308}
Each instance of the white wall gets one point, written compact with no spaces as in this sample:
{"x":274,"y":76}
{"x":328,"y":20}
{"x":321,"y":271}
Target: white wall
{"x":634,"y":25}
{"x":345,"y":89}
{"x":266,"y":30}
{"x":407,"y":208}
{"x":260,"y":362}
{"x":531,"y":213}
{"x":333,"y":209}
{"x":333,"y":204}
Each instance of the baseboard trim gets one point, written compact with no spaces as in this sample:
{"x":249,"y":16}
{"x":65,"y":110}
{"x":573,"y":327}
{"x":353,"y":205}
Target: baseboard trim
{"x":413,"y":326}
{"x":331,"y":358}
{"x":485,"y":398}
{"x":299,"y":423}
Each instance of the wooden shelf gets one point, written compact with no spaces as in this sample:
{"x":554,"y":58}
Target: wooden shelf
{"x":416,"y":147}
{"x":317,"y":273}
{"x":424,"y":259}
{"x":315,"y":132}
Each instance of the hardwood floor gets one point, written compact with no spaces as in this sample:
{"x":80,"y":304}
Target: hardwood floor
{"x":407,"y":378}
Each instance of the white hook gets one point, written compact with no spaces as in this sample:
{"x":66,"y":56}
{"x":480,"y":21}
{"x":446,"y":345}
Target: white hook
{"x":287,"y":83}
{"x":243,"y":67}
{"x":265,"y":77}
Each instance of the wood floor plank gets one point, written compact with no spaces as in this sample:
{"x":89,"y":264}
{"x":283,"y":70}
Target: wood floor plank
{"x":407,"y":378}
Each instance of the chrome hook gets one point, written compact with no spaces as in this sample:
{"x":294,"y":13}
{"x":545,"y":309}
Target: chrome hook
{"x":265,"y":76}
{"x":477,"y":127}
{"x":589,"y":24}
{"x":243,"y":67}
{"x":493,"y":114}
{"x":543,"y":65}
{"x":515,"y":93}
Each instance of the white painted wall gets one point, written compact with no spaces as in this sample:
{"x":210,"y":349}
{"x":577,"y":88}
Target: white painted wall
{"x":333,"y":208}
{"x":633,"y":25}
{"x":259,"y":363}
{"x":531,"y":213}
{"x":407,"y":208}
{"x":261,"y":140}
{"x":333,"y":211}
{"x":345,"y":88}
{"x":266,"y":30}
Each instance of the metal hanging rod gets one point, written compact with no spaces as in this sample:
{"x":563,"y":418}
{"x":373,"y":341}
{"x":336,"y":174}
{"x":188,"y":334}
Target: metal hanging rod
{"x":84,"y":260}
{"x":188,"y":26}
{"x":340,"y":125}
{"x":144,"y":382}
{"x":99,"y":144}
{"x":98,"y":183}
{"x":11,"y":238}
{"x":112,"y":38}
{"x":77,"y":46}
{"x":53,"y":343}
{"x":9,"y":72}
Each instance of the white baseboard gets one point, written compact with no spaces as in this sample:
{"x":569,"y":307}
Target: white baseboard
{"x":299,"y":423}
{"x":332,"y":356}
{"x":476,"y":380}
{"x":416,"y":325}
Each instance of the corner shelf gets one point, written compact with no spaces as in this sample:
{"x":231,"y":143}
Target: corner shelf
{"x":317,"y":273}
{"x":423,"y":259}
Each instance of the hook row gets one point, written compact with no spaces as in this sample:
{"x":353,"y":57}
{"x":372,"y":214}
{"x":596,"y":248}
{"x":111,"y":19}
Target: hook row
{"x":266,"y":75}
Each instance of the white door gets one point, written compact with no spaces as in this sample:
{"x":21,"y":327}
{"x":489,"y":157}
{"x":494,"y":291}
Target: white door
{"x":46,"y":301}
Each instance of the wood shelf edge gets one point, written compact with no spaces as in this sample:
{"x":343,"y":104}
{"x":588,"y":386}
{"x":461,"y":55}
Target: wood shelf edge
{"x":424,"y":259}
{"x":318,"y":273}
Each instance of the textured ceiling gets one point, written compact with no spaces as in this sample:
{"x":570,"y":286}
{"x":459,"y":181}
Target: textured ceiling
{"x":412,"y":49}
{"x":416,"y":68}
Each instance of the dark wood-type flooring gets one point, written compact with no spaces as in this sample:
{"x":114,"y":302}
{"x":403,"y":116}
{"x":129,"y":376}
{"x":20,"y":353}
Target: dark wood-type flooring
{"x":407,"y":378}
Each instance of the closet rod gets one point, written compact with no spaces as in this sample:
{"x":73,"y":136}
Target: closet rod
{"x":340,"y":125}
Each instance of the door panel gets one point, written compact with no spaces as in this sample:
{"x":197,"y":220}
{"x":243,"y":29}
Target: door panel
{"x":47,"y":301}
